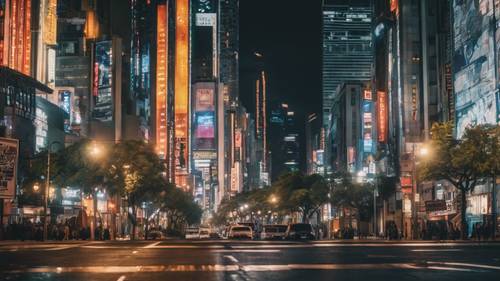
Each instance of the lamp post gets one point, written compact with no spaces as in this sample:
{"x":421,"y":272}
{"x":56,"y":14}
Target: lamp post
{"x":46,"y":193}
{"x":94,"y":152}
{"x":423,"y":151}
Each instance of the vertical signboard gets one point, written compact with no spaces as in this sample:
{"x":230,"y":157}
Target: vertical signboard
{"x":181,"y":90}
{"x":367,"y":127}
{"x":50,"y":22}
{"x":16,"y":35}
{"x":9,"y":153}
{"x":2,"y":30}
{"x":162,"y":81}
{"x":65,"y":102}
{"x":103,"y":77}
{"x":382,"y":116}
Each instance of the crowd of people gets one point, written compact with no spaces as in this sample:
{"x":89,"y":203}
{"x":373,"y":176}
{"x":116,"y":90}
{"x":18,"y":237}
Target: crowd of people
{"x":29,"y":230}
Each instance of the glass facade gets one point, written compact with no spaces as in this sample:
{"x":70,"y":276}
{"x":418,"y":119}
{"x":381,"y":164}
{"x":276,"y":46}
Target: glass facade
{"x":347,"y":46}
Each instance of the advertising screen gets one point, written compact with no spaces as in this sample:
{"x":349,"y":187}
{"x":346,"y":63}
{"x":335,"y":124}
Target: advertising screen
{"x":65,"y":103}
{"x":204,"y":116}
{"x":103,"y":77}
{"x":474,"y":74}
{"x":205,"y":125}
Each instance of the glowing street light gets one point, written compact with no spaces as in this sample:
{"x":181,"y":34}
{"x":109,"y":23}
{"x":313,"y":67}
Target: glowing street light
{"x":36,"y":187}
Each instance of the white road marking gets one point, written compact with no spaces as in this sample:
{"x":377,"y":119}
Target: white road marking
{"x":452,"y":269}
{"x":122,"y":278}
{"x":231,"y":258}
{"x":189,"y":247}
{"x":466,"y":264}
{"x":152,"y":245}
{"x":437,"y":250}
{"x":244,"y":251}
{"x":249,"y":268}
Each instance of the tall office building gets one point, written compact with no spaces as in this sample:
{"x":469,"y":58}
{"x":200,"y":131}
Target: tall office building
{"x":347,"y":46}
{"x":229,"y":46}
{"x":284,"y":147}
{"x":261,"y":125}
{"x":140,"y":89}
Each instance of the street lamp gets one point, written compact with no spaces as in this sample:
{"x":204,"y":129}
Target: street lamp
{"x":95,"y":152}
{"x":422,"y":152}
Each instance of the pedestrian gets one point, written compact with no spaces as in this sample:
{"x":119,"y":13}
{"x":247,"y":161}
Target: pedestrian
{"x":66,"y":232}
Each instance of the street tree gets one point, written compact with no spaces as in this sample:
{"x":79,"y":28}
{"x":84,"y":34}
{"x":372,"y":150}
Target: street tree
{"x":357,"y":197}
{"x":301,"y":194}
{"x":134,"y":170}
{"x":180,"y":208}
{"x":462,"y":162}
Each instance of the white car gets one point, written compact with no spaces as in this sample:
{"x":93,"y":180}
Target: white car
{"x":192,"y":233}
{"x":275,"y":231}
{"x":240,"y":232}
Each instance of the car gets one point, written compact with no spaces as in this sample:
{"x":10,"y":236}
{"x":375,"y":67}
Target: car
{"x":192,"y":233}
{"x":299,"y":231}
{"x":155,"y":234}
{"x":240,"y":232}
{"x":275,"y":231}
{"x":204,"y":233}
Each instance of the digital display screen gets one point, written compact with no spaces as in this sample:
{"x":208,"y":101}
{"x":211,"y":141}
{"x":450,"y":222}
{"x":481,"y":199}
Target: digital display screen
{"x":103,"y":77}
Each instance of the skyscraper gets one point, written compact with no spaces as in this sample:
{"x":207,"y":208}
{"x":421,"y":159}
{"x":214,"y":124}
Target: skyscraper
{"x":347,"y":46}
{"x":229,"y":45}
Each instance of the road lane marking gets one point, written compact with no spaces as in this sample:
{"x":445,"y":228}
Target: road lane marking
{"x":231,"y":258}
{"x":122,"y":278}
{"x":134,"y":252}
{"x":189,"y":247}
{"x":152,"y":245}
{"x":452,"y":269}
{"x":247,"y":268}
{"x":244,"y":251}
{"x":437,"y":250}
{"x":484,"y":266}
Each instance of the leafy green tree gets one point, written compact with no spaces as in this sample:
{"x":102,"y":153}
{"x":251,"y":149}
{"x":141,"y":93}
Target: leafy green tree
{"x":348,"y":194}
{"x":462,"y":162}
{"x":302,"y":194}
{"x":135,"y":172}
{"x":180,"y":208}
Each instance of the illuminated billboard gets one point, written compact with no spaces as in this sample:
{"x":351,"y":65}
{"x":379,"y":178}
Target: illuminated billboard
{"x":181,"y":89}
{"x":162,"y":80}
{"x":15,"y":38}
{"x":474,"y":61}
{"x":204,"y":116}
{"x":64,"y":102}
{"x":382,"y":116}
{"x":103,"y":77}
{"x":9,"y":149}
{"x":367,"y":127}
{"x":50,"y":22}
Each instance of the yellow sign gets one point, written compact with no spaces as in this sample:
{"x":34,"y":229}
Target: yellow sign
{"x":50,"y":22}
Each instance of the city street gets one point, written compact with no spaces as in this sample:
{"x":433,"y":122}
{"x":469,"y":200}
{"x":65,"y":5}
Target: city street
{"x":248,"y":260}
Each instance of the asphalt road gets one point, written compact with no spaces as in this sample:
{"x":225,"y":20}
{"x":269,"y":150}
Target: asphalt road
{"x":251,"y":260}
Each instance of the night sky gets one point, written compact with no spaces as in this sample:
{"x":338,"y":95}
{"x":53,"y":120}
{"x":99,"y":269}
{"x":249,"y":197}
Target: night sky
{"x":288,"y":34}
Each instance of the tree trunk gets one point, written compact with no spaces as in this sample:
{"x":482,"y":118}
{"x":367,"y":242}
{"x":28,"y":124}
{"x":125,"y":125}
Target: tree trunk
{"x":463,"y":207}
{"x":133,"y":220}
